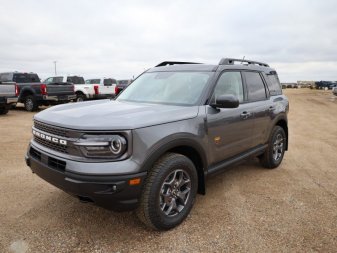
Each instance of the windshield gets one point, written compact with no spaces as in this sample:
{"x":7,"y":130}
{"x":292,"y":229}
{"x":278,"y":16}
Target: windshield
{"x":177,"y":88}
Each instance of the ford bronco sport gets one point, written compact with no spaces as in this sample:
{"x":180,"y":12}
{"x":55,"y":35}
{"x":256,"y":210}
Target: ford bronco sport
{"x":152,"y":148}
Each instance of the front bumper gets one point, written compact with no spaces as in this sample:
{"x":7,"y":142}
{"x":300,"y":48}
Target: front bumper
{"x":59,"y":98}
{"x":109,"y":191}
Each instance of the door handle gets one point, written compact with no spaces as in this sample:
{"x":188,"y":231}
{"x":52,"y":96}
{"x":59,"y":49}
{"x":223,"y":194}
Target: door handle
{"x":245,"y":115}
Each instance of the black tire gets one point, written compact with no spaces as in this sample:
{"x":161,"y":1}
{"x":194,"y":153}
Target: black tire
{"x":3,"y":110}
{"x":30,"y":103}
{"x":80,"y":97}
{"x":273,"y":155}
{"x":154,"y":211}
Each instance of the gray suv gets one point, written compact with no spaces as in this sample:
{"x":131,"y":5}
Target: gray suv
{"x":152,"y":148}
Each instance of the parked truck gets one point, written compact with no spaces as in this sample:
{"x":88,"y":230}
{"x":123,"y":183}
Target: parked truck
{"x":90,"y":89}
{"x":32,"y":93}
{"x":8,"y":96}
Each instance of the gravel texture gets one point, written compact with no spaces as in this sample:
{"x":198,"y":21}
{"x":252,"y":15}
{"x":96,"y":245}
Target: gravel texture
{"x":246,"y":209}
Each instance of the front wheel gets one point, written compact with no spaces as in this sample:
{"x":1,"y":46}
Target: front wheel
{"x":273,"y":155}
{"x":169,"y":192}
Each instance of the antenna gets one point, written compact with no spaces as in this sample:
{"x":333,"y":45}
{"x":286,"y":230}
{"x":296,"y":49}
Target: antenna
{"x":55,"y":67}
{"x":243,"y":59}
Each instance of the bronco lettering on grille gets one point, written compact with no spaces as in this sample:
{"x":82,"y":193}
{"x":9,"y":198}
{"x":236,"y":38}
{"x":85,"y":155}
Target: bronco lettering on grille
{"x":49,"y":138}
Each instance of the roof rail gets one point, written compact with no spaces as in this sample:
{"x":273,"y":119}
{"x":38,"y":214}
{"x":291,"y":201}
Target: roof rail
{"x":230,"y":61}
{"x":165,"y":63}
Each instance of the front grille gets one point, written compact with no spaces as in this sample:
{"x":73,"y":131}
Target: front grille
{"x":50,"y":129}
{"x":56,"y":164}
{"x":51,"y":145}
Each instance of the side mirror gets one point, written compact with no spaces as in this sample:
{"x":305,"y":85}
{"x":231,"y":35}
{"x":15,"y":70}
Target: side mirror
{"x":226,"y":101}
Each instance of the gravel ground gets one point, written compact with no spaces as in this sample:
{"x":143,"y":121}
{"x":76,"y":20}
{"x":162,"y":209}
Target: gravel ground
{"x":246,"y":209}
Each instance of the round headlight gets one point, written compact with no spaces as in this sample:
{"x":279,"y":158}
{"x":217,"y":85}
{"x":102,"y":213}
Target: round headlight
{"x":118,"y":145}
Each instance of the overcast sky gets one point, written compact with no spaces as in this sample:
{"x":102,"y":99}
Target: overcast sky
{"x":123,"y":38}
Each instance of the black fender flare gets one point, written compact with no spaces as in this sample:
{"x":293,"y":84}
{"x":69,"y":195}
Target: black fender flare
{"x":280,"y":118}
{"x":176,"y":141}
{"x":24,"y":91}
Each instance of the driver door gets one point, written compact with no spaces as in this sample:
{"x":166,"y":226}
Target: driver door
{"x":229,"y":130}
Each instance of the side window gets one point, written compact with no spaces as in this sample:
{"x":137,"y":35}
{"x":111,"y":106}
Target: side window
{"x":3,"y":78}
{"x":58,"y":79}
{"x":95,"y":81}
{"x":255,"y":86}
{"x":48,"y":80}
{"x":274,"y":84}
{"x":109,"y":82}
{"x":229,"y":83}
{"x":87,"y":81}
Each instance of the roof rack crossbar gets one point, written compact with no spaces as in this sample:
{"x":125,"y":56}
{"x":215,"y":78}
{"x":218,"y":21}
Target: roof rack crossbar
{"x":165,"y":63}
{"x":230,"y":61}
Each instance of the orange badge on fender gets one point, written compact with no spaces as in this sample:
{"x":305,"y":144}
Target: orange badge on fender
{"x":217,"y":140}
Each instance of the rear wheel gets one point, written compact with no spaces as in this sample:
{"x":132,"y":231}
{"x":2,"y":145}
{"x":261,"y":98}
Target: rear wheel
{"x":30,"y":103}
{"x":80,"y":97}
{"x":3,"y":110}
{"x":273,"y":155}
{"x":169,"y":192}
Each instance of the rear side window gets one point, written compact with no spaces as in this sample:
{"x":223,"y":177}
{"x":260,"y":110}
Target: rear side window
{"x":26,"y":78}
{"x":274,"y":85}
{"x":255,"y":86}
{"x":58,"y":79}
{"x":109,"y":82}
{"x":75,"y":79}
{"x":6,"y":77}
{"x":94,"y":81}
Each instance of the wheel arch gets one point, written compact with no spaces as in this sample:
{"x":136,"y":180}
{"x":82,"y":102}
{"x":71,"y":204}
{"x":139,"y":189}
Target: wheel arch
{"x":282,"y":122}
{"x":79,"y":92}
{"x":188,"y":148}
{"x":25,"y":92}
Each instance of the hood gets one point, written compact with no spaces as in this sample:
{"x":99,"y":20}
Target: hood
{"x":113,"y":115}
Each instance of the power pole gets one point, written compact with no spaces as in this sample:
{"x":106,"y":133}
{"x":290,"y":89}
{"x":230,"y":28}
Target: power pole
{"x":55,"y":67}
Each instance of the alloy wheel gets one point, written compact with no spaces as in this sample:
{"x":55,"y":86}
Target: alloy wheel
{"x":278,"y":147}
{"x":175,"y":192}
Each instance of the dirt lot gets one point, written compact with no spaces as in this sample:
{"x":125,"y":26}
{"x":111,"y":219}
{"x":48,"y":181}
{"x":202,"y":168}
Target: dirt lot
{"x":248,"y":208}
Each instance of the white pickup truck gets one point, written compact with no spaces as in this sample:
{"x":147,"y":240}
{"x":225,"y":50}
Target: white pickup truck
{"x":89,"y":89}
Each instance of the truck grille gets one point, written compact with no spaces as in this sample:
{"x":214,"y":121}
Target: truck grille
{"x":50,"y":129}
{"x":51,"y":145}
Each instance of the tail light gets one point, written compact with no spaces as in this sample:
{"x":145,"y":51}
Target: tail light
{"x":96,"y":88}
{"x":16,"y":90}
{"x":116,"y":90}
{"x":73,"y":86}
{"x":43,"y":89}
